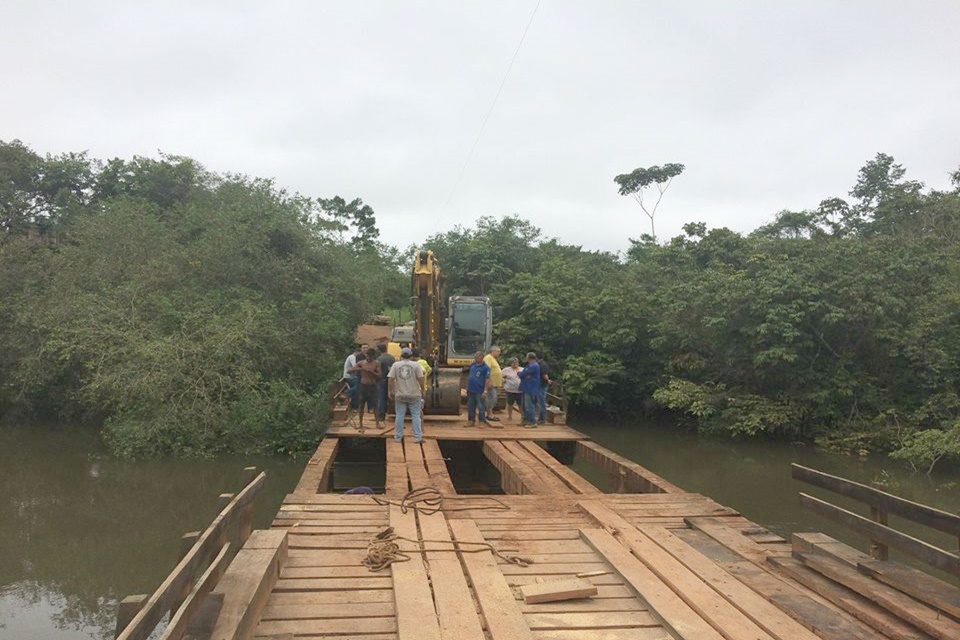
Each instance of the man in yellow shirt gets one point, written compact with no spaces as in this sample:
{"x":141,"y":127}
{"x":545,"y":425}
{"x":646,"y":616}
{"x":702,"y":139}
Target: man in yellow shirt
{"x":496,"y":380}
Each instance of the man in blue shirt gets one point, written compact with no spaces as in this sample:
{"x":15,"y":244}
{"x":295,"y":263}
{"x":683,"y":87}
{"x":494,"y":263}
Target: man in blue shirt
{"x":478,"y":382}
{"x":530,"y":388}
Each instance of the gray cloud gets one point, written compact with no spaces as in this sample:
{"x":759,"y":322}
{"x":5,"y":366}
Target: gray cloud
{"x":770,"y":105}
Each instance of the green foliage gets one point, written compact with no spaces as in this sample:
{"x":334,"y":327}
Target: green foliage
{"x":924,"y":449}
{"x":191,"y":313}
{"x":637,"y":182}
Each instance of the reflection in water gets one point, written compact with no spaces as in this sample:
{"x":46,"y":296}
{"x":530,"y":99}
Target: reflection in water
{"x":81,"y":530}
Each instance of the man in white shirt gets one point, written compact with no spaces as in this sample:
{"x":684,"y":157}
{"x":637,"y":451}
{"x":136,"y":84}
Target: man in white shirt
{"x":350,"y":378}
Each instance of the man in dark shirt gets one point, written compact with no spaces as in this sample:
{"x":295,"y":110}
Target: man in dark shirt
{"x":478,"y":382}
{"x":530,"y":388}
{"x":545,"y":383}
{"x":386,"y":361}
{"x":369,"y":370}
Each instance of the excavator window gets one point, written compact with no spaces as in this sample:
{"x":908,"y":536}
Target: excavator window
{"x":469,"y":327}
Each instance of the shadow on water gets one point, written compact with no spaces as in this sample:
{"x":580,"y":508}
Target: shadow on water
{"x":81,"y":530}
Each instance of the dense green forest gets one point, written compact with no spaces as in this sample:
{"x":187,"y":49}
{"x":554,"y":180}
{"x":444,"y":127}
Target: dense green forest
{"x":190,"y":312}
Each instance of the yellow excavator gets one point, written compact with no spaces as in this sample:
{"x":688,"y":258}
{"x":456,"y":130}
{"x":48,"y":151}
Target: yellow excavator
{"x":447,"y":331}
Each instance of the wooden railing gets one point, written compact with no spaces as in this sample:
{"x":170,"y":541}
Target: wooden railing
{"x":557,"y":396}
{"x":876,"y":528}
{"x":204,"y":558}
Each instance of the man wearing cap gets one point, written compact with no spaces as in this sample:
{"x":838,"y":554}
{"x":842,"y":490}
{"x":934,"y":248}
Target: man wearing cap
{"x":530,"y":388}
{"x":405,"y":385}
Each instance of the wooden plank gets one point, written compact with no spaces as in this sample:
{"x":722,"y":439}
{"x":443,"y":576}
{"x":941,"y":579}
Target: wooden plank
{"x":437,"y":467}
{"x":180,"y":620}
{"x":373,"y":581}
{"x":455,"y":611}
{"x":919,"y":549}
{"x":765,"y":615}
{"x":918,"y":584}
{"x":662,"y":601}
{"x":653,"y":633}
{"x":537,"y":468}
{"x":210,"y":542}
{"x":416,"y":615}
{"x":730,"y":538}
{"x":300,"y":598}
{"x":396,"y":480}
{"x":515,"y":476}
{"x":639,"y":478}
{"x":557,"y":590}
{"x":572,"y":479}
{"x":327,"y":628}
{"x":247,"y":583}
{"x":853,"y":603}
{"x":503,"y":617}
{"x":591,"y":621}
{"x":315,"y":475}
{"x":914,"y":511}
{"x":825,"y":621}
{"x":416,"y":467}
{"x":900,"y":604}
{"x":326,"y":610}
{"x":697,"y":594}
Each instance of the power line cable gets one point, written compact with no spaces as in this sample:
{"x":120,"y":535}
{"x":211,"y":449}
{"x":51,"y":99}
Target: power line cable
{"x":493,"y":104}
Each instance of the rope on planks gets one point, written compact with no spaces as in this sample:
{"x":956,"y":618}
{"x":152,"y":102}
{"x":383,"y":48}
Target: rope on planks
{"x":383,"y":550}
{"x":429,"y":500}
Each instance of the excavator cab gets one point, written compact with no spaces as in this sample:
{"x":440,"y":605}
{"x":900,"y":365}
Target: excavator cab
{"x":469,"y":328}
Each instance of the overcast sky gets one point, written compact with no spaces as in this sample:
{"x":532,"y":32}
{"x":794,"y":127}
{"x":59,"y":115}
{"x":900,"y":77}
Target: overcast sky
{"x":770,"y":105}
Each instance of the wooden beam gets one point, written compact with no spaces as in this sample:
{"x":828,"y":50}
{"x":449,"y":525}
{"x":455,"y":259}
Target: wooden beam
{"x":457,"y":617}
{"x":881,"y":500}
{"x":934,"y":556}
{"x":437,"y":467}
{"x":691,"y":588}
{"x":537,"y":468}
{"x":181,"y":620}
{"x":853,"y":603}
{"x":918,"y":584}
{"x":638,"y":478}
{"x":416,"y":615}
{"x":900,"y":604}
{"x":247,"y":583}
{"x":316,"y":474}
{"x":500,"y":610}
{"x":197,"y":558}
{"x":127,"y":610}
{"x":557,"y":590}
{"x":675,"y":614}
{"x":576,"y":482}
{"x":753,"y":605}
{"x":396,"y":480}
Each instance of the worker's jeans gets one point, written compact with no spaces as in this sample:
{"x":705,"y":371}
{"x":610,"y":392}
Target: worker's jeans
{"x":476,"y":404}
{"x":382,"y":400}
{"x":543,"y":404}
{"x":413,"y":406}
{"x":530,"y":399}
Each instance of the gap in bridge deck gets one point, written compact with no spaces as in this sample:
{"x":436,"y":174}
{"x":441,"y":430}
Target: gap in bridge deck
{"x":470,"y":470}
{"x":360,"y":462}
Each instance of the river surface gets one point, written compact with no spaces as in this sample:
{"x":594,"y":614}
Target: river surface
{"x":80,"y":530}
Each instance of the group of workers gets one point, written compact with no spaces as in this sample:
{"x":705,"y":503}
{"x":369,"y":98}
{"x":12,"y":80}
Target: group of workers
{"x":374,"y":376}
{"x":526,"y":388}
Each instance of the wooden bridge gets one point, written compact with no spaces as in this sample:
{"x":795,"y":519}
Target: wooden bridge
{"x":657,"y":562}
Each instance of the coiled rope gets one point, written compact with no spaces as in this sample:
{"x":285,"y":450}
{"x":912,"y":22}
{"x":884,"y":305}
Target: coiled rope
{"x":383,"y":550}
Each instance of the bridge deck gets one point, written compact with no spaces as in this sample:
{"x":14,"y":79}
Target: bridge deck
{"x":666,"y":563}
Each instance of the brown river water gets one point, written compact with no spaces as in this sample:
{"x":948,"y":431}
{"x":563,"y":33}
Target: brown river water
{"x":81,"y":530}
